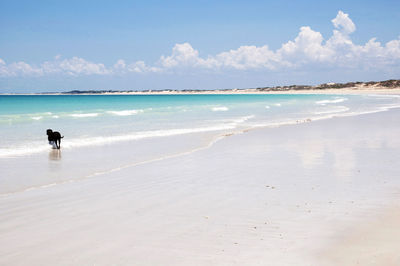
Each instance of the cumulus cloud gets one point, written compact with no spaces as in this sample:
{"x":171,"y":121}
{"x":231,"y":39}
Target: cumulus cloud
{"x":308,"y":48}
{"x":78,"y":66}
{"x":344,"y":23}
{"x":141,"y":67}
{"x":19,"y":69}
{"x":183,"y":55}
{"x":248,"y":57}
{"x":74,"y":66}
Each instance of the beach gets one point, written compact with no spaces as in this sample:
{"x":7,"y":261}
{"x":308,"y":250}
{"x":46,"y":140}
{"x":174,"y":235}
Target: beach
{"x":304,"y":192}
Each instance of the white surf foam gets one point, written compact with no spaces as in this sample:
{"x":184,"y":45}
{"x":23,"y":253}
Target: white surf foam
{"x":337,"y":109}
{"x":22,"y":150}
{"x":105,"y":140}
{"x":125,"y":112}
{"x":37,"y":117}
{"x":336,"y":100}
{"x":85,"y":115}
{"x":38,"y":147}
{"x":240,"y":120}
{"x":220,"y":109}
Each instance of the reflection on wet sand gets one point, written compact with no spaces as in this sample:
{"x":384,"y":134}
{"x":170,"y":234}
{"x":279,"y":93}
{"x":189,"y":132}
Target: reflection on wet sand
{"x":55,"y":155}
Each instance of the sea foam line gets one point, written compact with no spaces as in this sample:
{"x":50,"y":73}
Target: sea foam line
{"x":322,"y":116}
{"x":84,"y":115}
{"x":125,"y":112}
{"x":336,"y":100}
{"x":36,"y":147}
{"x":220,"y":109}
{"x":337,"y":109}
{"x":96,"y":141}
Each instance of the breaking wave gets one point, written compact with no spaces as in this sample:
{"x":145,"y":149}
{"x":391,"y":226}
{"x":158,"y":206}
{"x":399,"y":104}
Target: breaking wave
{"x":336,"y":100}
{"x":220,"y":109}
{"x":125,"y":112}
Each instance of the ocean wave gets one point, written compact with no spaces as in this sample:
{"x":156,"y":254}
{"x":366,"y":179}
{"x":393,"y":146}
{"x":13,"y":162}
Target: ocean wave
{"x":84,"y":115}
{"x":240,"y":120}
{"x":324,"y":116}
{"x":106,"y":140}
{"x":37,"y":117}
{"x":278,"y":104}
{"x":337,"y":109}
{"x":22,"y":150}
{"x":141,"y":135}
{"x":387,"y":96}
{"x":125,"y":112}
{"x":38,"y":147}
{"x":220,"y":108}
{"x":336,"y":100}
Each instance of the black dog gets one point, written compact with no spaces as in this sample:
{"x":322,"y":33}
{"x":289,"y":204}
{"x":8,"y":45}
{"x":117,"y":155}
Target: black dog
{"x":54,"y":136}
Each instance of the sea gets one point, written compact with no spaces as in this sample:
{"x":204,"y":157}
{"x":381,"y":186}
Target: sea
{"x":106,"y":132}
{"x":90,"y":120}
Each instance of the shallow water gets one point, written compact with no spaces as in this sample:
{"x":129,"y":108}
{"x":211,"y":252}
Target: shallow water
{"x":107,"y":119}
{"x":104,"y":132}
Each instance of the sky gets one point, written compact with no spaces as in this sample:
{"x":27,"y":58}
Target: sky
{"x":139,"y":45}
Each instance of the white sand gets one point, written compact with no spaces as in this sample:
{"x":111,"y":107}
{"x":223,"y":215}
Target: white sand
{"x":362,"y":89}
{"x":282,"y":196}
{"x":372,"y":242}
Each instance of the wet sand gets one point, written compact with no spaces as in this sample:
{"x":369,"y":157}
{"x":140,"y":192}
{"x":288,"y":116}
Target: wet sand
{"x":368,"y":242}
{"x":293,"y":195}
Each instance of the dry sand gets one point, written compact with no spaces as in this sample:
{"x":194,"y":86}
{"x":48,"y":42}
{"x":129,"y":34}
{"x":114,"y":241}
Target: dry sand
{"x":351,"y":90}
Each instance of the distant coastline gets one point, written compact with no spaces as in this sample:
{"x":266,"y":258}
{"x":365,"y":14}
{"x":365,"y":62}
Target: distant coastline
{"x":388,"y":86}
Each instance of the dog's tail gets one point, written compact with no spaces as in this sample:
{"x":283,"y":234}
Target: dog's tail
{"x":62,"y":137}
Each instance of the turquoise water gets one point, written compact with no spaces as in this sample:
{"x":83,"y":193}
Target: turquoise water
{"x":106,"y":119}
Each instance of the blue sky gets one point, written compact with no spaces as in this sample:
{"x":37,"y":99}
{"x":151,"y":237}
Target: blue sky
{"x":62,"y":45}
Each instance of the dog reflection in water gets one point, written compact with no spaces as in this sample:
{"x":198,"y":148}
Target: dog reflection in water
{"x":55,"y":155}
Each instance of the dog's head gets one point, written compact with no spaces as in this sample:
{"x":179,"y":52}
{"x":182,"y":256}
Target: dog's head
{"x":49,"y":132}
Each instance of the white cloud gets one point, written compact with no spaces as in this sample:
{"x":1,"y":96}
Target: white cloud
{"x":3,"y":69}
{"x":248,"y":57}
{"x":183,"y":55}
{"x":23,"y":69}
{"x":74,"y":66}
{"x":392,"y":49}
{"x":344,"y":23}
{"x":79,"y":66}
{"x":141,"y":67}
{"x":308,"y":48}
{"x":120,"y":65}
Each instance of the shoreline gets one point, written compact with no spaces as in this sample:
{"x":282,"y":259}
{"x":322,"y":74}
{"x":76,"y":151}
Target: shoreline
{"x":344,"y":91}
